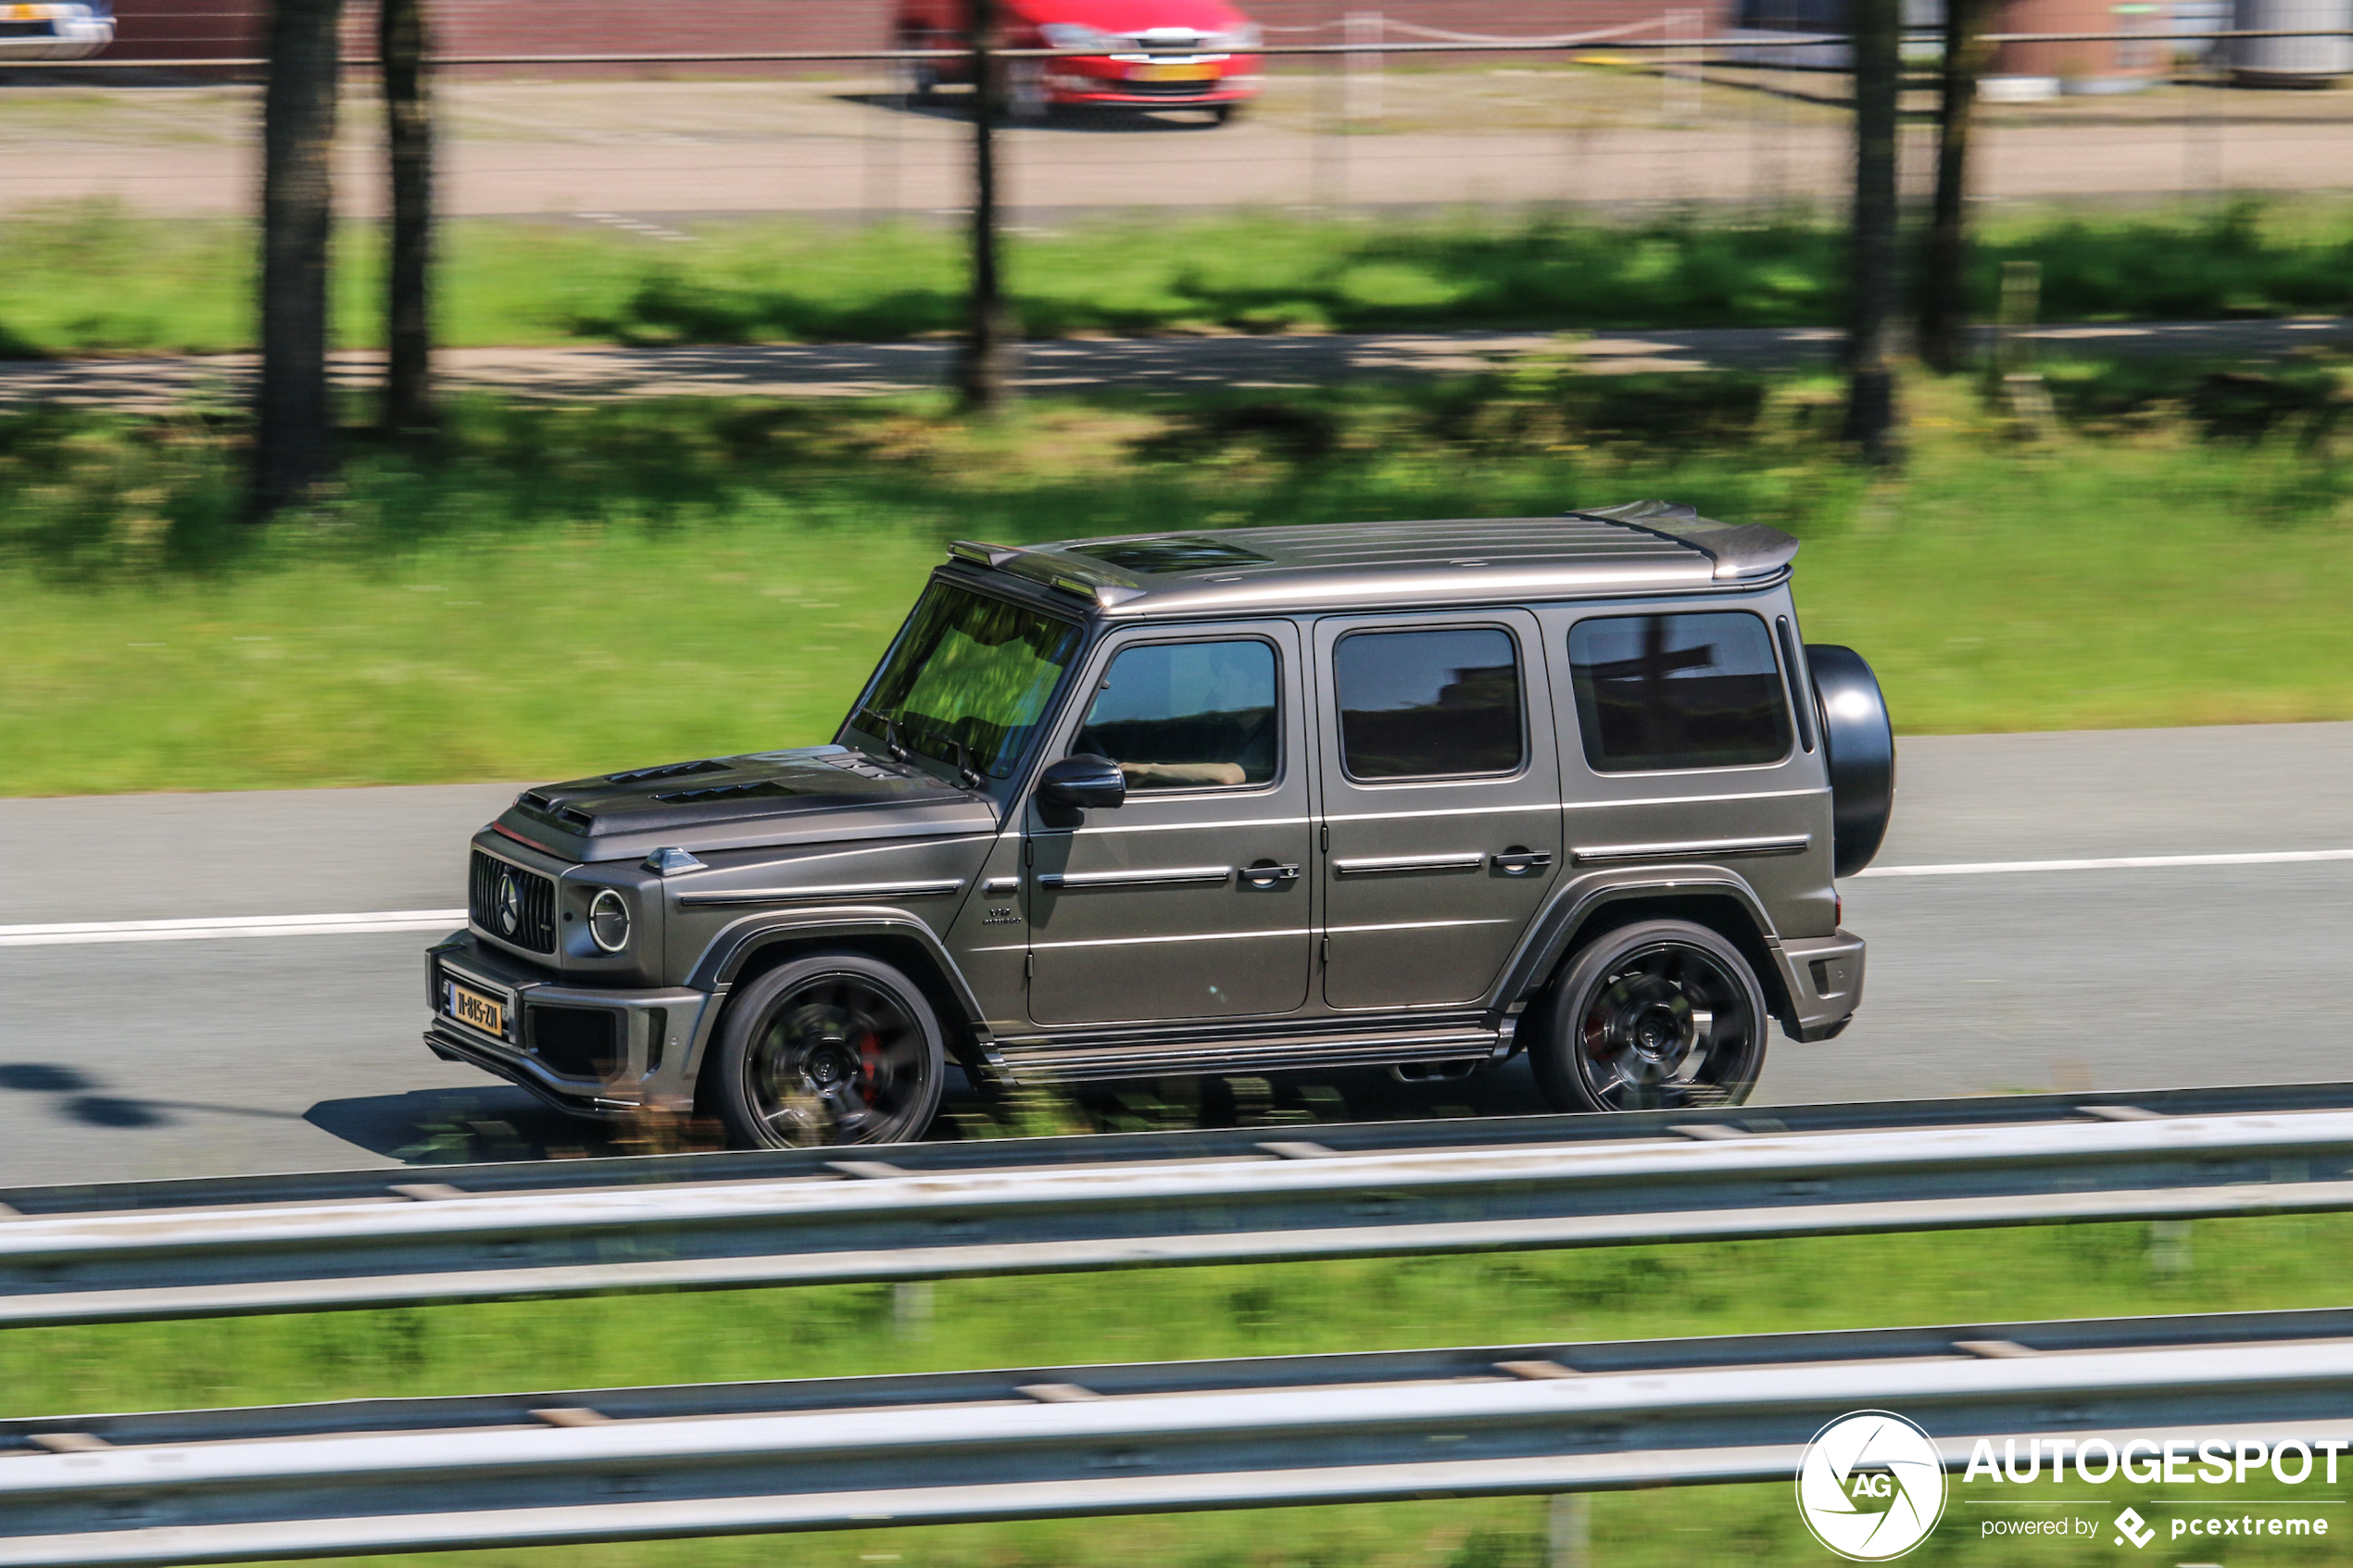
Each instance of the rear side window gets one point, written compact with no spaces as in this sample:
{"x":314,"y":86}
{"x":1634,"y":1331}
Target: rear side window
{"x":1661,"y":692}
{"x":1436,"y":704}
{"x":1187,"y":716}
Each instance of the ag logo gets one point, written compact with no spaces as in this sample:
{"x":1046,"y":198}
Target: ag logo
{"x":1870,"y":1486}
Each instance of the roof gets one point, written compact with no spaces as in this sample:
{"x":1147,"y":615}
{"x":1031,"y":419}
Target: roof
{"x":1644,"y":546}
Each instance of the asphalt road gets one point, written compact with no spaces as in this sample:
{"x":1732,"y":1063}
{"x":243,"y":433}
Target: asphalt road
{"x":625,"y":153}
{"x":125,"y":1059}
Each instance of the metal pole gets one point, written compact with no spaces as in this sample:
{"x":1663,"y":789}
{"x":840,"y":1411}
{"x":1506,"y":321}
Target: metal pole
{"x":1568,"y":1531}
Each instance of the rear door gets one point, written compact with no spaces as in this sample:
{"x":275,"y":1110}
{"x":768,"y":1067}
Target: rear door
{"x":1190,"y":902}
{"x":1441,"y":802}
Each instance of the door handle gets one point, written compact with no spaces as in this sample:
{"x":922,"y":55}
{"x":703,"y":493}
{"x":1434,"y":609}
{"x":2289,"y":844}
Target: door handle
{"x":1266,"y":873}
{"x":1516,"y":861}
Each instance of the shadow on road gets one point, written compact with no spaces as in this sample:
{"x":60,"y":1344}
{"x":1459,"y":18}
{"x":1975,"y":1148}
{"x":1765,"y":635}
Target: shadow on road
{"x":78,"y":1100}
{"x":496,"y":1122}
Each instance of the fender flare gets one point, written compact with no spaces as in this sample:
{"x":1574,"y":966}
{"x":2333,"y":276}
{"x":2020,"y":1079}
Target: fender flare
{"x":723,"y":959}
{"x":1546,"y":944}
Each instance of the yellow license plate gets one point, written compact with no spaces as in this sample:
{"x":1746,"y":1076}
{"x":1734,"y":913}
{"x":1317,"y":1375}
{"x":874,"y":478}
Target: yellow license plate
{"x":485,"y":1013}
{"x":1172,"y":73}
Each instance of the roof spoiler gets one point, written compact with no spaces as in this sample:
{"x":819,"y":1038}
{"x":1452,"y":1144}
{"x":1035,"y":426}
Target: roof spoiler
{"x":1080,"y":578}
{"x":1741,"y":551}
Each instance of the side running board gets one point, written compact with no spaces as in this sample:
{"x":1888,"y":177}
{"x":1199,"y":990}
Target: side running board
{"x":1053,"y":1061}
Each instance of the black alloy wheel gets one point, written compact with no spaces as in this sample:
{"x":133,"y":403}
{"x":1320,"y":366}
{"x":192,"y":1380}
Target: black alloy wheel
{"x":828,"y":1048}
{"x":1659,"y":1015}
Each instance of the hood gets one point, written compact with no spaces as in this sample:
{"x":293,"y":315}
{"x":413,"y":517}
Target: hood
{"x":1128,"y":17}
{"x":725,"y":802}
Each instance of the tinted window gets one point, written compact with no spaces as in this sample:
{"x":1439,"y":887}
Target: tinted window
{"x":1427,"y":703}
{"x":968,"y":672}
{"x":1185,"y":715}
{"x":1658,"y":692}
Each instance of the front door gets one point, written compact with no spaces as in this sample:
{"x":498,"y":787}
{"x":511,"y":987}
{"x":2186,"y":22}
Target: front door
{"x":1441,"y":800}
{"x":1190,"y":900}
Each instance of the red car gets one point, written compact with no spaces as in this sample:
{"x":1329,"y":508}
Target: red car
{"x":1156,"y":53}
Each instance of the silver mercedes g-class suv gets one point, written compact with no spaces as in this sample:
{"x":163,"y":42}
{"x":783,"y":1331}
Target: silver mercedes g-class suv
{"x":1406,"y":795}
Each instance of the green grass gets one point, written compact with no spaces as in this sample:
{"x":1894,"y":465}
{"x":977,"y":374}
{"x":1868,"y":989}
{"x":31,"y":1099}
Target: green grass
{"x":556,"y":591}
{"x":91,"y":279}
{"x":1977,"y":1277}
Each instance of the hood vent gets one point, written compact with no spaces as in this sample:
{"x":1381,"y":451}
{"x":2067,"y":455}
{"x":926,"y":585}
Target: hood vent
{"x":543,"y":804}
{"x":667,"y":771}
{"x":763,"y":788}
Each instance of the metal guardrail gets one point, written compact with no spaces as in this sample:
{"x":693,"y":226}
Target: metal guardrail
{"x":921,"y":1211}
{"x":649,"y":1463}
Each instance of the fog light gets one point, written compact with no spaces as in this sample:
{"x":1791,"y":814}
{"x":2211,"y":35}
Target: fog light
{"x":608,"y":920}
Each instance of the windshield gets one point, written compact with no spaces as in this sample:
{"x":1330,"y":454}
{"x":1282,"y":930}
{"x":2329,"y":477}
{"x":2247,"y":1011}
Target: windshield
{"x":968,"y":680}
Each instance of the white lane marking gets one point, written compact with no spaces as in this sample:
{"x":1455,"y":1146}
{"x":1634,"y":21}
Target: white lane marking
{"x":83,"y":932}
{"x":2115,"y":863}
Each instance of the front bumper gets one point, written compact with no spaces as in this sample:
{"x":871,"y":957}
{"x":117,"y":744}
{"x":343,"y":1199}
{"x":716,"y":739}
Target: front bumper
{"x":589,"y":1051}
{"x":51,"y":33}
{"x":1824,"y":976}
{"x":1116,"y":82}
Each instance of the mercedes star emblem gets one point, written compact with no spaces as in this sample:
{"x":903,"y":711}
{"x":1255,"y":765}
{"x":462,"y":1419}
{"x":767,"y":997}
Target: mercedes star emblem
{"x":510,"y":904}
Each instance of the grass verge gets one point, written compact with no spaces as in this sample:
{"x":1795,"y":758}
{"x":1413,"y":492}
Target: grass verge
{"x":91,"y":279}
{"x":556,"y":591}
{"x":1976,"y":1277}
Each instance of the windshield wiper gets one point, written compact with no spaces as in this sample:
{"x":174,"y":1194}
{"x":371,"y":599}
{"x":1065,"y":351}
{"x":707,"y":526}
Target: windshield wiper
{"x":883,"y":725}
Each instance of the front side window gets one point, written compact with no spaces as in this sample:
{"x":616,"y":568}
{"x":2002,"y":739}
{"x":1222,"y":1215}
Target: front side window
{"x":968,"y":679}
{"x":1656,"y":692}
{"x":1187,"y":716}
{"x":1434,"y":704}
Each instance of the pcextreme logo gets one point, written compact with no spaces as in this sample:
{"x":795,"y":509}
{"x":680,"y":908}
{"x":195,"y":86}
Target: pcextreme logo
{"x":1870,"y":1487}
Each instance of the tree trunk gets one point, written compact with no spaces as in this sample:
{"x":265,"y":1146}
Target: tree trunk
{"x":1944,"y":324}
{"x":989,"y":339}
{"x":294,"y":416}
{"x":401,"y":37}
{"x":1876,"y":37}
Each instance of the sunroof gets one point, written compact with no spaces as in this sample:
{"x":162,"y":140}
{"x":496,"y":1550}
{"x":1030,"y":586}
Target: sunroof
{"x":1154,"y":555}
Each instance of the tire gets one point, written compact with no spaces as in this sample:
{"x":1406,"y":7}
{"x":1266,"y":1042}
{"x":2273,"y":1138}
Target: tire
{"x":1220,"y":114}
{"x":918,"y":79}
{"x":828,"y":1048}
{"x":1858,"y":742}
{"x":1025,"y":95}
{"x":1659,"y":1015}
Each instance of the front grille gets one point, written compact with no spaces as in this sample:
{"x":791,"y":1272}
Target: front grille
{"x":534,"y":925}
{"x":1166,"y":89}
{"x":576,"y":1042}
{"x":28,"y":30}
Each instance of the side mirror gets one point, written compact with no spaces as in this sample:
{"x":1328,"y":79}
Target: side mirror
{"x":1082,"y":781}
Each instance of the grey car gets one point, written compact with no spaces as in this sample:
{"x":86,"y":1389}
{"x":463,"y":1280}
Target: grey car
{"x":1406,"y":794}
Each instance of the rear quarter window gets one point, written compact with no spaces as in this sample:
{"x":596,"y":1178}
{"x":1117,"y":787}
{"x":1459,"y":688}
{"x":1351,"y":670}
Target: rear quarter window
{"x":1662,"y":693}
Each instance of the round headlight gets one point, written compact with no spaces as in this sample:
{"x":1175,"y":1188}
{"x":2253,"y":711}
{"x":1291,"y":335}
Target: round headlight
{"x":608,"y":920}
